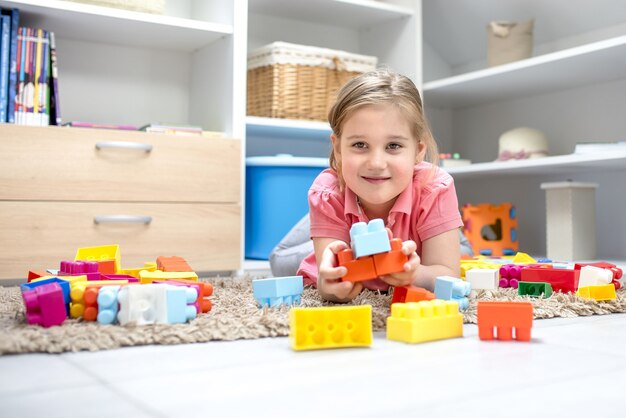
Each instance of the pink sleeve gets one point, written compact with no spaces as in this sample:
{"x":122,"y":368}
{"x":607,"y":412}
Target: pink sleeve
{"x":439,"y":208}
{"x":326,"y":207}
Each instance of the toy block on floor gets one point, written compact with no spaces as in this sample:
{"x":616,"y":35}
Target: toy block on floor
{"x":491,"y":229}
{"x":504,"y":317}
{"x":561,"y":280}
{"x":599,"y":292}
{"x":277,"y":291}
{"x":87,"y":268}
{"x":467,"y":265}
{"x":417,"y":322}
{"x":193,"y":285}
{"x":392,"y":261}
{"x":369,"y":238}
{"x":33,"y":274}
{"x":107,"y":305}
{"x":359,"y":270}
{"x":523,"y":258}
{"x":594,"y":276}
{"x":453,"y":288}
{"x":107,"y":256}
{"x":65,"y":286}
{"x":483,"y":278}
{"x":405,"y":294}
{"x":205,"y":289}
{"x":148,"y":266}
{"x":149,"y":276}
{"x":45,"y":305}
{"x":77,"y":294}
{"x":179,"y":304}
{"x":173,"y":263}
{"x":330,"y":327}
{"x":510,"y":275}
{"x":155,"y":304}
{"x":534,"y":289}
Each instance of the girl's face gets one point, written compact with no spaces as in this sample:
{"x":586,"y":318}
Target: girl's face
{"x":378,"y":152}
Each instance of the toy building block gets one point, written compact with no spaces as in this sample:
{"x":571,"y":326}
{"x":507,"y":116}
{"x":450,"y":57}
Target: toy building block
{"x":107,"y":257}
{"x":45,"y":305}
{"x":330,"y":327}
{"x":65,"y":286}
{"x":179,"y":304}
{"x":510,"y":275}
{"x":392,"y":261}
{"x":599,"y":292}
{"x":417,"y":322}
{"x":467,"y":265}
{"x":594,"y":276}
{"x":491,"y":229}
{"x":405,"y":294}
{"x":77,"y":294}
{"x":127,"y":277}
{"x":561,"y":280}
{"x":33,"y":274}
{"x":504,"y":317}
{"x":152,"y":303}
{"x":148,"y":266}
{"x":523,"y":258}
{"x":172,"y":263}
{"x":277,"y":291}
{"x":369,"y":238}
{"x":452,"y":288}
{"x":79,"y":268}
{"x":193,"y":285}
{"x":617,"y":272}
{"x":359,"y":269}
{"x":483,"y":278}
{"x":205,"y":289}
{"x":534,"y":289}
{"x":149,"y":276}
{"x":107,"y":304}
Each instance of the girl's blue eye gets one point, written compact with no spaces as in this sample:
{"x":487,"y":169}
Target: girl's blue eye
{"x":359,"y":145}
{"x":394,"y":146}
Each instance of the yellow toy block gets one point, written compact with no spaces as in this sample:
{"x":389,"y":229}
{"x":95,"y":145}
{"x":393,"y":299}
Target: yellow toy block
{"x":146,"y":276}
{"x":101,"y":253}
{"x":476,"y":264}
{"x":431,"y":320}
{"x":599,"y":292}
{"x":330,"y":327}
{"x":523,"y":258}
{"x":77,"y":293}
{"x":148,"y":266}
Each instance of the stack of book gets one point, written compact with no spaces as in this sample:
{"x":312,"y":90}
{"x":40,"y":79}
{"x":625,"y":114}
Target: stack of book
{"x":29,"y":93}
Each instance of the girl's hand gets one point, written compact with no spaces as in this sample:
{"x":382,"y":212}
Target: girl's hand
{"x":409,"y":275}
{"x":329,"y":281}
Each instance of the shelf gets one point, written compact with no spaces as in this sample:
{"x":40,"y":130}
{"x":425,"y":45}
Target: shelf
{"x":355,"y":14}
{"x":114,"y":26}
{"x":286,"y":128}
{"x":583,"y":65}
{"x":548,"y":165}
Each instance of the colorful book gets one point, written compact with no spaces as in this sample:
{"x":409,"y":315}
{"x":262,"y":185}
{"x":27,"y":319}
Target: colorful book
{"x":14,"y":15}
{"x":5,"y":42}
{"x":37,"y":77}
{"x":55,"y":110}
{"x":21,"y":62}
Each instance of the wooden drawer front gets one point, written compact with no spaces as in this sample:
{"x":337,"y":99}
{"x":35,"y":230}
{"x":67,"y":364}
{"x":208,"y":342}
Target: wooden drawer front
{"x":38,"y":235}
{"x":52,"y":163}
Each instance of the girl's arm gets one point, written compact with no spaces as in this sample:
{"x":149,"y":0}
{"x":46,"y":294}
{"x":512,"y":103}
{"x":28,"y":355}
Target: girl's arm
{"x":329,"y":282}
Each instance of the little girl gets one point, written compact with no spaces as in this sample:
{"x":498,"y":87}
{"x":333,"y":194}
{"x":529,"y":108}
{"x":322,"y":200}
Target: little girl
{"x":379,"y":142}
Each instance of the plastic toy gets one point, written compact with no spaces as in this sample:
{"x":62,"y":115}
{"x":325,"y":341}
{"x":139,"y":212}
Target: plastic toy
{"x":452,"y":288}
{"x":483,"y":278}
{"x":594,"y":276}
{"x":599,"y":292}
{"x":359,"y":269}
{"x":88,"y":268}
{"x":616,"y":271}
{"x":277,"y":291}
{"x":65,"y":286}
{"x":77,"y":294}
{"x":561,"y":280}
{"x":152,"y":303}
{"x":417,"y":322}
{"x":510,"y":275}
{"x":45,"y":305}
{"x":372,"y":266}
{"x":148,"y":266}
{"x":204,"y":290}
{"x":149,"y":276}
{"x":107,"y":257}
{"x":405,"y":294}
{"x":32,"y":274}
{"x":369,"y":238}
{"x":392,"y":261}
{"x":173,"y":263}
{"x":330,"y":327}
{"x":505,"y":317}
{"x":491,"y":229}
{"x":107,"y":304}
{"x":534,"y":289}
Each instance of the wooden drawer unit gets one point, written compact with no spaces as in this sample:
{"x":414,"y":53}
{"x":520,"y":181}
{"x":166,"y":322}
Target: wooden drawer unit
{"x":65,"y":188}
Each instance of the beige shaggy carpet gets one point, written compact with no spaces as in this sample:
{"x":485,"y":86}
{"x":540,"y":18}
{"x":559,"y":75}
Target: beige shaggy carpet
{"x":235,"y":316}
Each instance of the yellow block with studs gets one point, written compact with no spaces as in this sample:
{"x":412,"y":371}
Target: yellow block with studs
{"x":599,"y":292}
{"x":417,"y":322}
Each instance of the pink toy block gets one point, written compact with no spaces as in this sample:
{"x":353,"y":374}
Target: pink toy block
{"x":510,"y":275}
{"x":45,"y":305}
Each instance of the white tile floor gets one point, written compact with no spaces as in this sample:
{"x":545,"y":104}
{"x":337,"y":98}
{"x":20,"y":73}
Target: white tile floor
{"x":573,"y":367}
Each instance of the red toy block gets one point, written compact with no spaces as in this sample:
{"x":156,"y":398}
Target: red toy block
{"x":617,"y":272}
{"x":505,"y":316}
{"x":359,"y":270}
{"x":32,"y":275}
{"x":45,"y":305}
{"x":561,"y":280}
{"x":404,"y":294}
{"x":391,"y":262}
{"x":173,"y":263}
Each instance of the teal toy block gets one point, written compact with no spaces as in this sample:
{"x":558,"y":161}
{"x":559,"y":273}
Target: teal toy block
{"x":534,"y":289}
{"x":369,"y":238}
{"x":277,"y":291}
{"x":452,"y":288}
{"x":107,"y":305}
{"x":65,"y":286}
{"x":179,"y":302}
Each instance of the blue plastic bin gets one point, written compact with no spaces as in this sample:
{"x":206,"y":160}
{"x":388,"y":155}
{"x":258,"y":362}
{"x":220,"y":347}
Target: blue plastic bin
{"x":276,"y":198}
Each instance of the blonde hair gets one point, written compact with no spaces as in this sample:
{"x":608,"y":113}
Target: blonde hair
{"x":381,"y":87}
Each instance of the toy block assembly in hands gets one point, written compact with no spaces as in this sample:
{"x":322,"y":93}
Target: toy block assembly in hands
{"x":504,"y":317}
{"x":452,"y":288}
{"x":417,"y":322}
{"x":277,"y":291}
{"x":372,"y":254}
{"x":330,"y":327}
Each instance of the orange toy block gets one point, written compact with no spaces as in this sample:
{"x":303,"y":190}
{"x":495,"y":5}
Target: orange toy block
{"x":505,"y":316}
{"x":491,"y":229}
{"x":90,"y":299}
{"x":392,"y":261}
{"x":173,"y":263}
{"x":359,"y":270}
{"x":405,"y":294}
{"x":106,"y":266}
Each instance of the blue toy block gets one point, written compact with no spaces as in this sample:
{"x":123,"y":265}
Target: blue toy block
{"x":276,"y":291}
{"x":178,"y":299}
{"x":369,"y":238}
{"x":452,"y":288}
{"x":65,"y":286}
{"x":107,"y":304}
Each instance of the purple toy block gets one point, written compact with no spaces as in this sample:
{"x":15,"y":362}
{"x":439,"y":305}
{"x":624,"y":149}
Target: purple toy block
{"x":80,"y":268}
{"x":45,"y":305}
{"x":510,"y":275}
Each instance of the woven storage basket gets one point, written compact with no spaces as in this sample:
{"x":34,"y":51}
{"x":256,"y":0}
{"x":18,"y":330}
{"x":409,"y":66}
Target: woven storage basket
{"x":299,"y":82}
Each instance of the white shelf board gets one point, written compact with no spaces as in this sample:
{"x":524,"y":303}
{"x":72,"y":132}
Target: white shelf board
{"x":114,"y":26}
{"x":355,"y":14}
{"x":542,"y":166}
{"x":286,"y":128}
{"x":583,"y":65}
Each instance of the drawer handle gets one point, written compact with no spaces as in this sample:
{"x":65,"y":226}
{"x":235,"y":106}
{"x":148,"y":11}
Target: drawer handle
{"x":104,"y":219}
{"x":124,"y":145}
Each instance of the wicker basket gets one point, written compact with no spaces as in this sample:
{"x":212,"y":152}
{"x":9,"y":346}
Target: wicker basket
{"x":299,"y":82}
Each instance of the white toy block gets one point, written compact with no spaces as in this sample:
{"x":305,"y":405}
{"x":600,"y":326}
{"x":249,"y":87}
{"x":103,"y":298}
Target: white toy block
{"x":594,"y":276}
{"x":141,"y":304}
{"x":483,"y":278}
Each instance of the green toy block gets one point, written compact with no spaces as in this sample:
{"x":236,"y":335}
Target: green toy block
{"x":534,"y":289}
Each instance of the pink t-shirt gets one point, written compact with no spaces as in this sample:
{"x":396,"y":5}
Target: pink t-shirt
{"x":422,"y":211}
